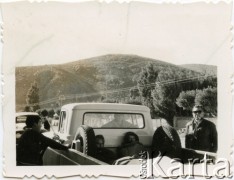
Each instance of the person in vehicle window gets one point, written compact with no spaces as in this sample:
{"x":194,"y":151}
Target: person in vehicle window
{"x":119,"y":122}
{"x":201,"y":134}
{"x":103,"y":154}
{"x":131,"y":145}
{"x":33,"y":144}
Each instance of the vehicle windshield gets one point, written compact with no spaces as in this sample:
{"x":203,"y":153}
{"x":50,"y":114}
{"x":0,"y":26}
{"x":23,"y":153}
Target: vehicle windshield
{"x":21,"y":119}
{"x":114,"y":120}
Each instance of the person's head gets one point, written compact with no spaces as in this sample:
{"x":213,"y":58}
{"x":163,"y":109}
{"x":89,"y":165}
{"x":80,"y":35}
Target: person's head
{"x":130,"y":137}
{"x":198,"y":112}
{"x":44,"y":113}
{"x":100,"y":141}
{"x":51,"y":113}
{"x":33,"y":122}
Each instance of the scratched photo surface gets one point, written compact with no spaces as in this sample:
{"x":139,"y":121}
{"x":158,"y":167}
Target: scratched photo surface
{"x":92,"y":85}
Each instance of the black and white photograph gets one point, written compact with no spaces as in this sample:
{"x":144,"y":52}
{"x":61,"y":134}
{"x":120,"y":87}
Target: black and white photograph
{"x":107,"y":86}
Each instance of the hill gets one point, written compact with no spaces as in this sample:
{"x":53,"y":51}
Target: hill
{"x":202,"y":68}
{"x":84,"y":80}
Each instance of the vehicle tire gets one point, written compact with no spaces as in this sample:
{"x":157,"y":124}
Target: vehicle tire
{"x":86,"y":136}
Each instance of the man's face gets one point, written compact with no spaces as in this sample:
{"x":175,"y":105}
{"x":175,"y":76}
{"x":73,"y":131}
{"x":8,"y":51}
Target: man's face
{"x":99,"y":143}
{"x":197,"y":113}
{"x":37,"y":126}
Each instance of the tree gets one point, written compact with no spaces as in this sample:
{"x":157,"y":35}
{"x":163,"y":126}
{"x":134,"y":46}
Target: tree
{"x":208,"y":99}
{"x":32,"y":97}
{"x":164,"y":101}
{"x":160,"y":86}
{"x":165,"y":93}
{"x":146,"y":83}
{"x":186,"y":99}
{"x":27,"y":109}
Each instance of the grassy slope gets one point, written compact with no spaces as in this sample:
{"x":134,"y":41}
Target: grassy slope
{"x":109,"y":72}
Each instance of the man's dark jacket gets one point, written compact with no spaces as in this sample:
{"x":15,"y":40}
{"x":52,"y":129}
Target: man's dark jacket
{"x":166,"y":141}
{"x":32,"y":146}
{"x":204,"y":137}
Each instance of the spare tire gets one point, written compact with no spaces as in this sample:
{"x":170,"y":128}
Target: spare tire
{"x":86,"y":136}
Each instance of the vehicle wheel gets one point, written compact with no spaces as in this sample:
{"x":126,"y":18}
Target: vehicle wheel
{"x":87,"y":139}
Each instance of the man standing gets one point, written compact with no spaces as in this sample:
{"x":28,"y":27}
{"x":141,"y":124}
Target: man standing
{"x":32,"y":144}
{"x":201,"y":134}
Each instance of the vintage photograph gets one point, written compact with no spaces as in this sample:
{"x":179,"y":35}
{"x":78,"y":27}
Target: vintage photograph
{"x":113,"y":106}
{"x":95,"y":83}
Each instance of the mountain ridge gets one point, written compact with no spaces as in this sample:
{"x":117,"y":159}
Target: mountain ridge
{"x":202,"y":68}
{"x":88,"y":76}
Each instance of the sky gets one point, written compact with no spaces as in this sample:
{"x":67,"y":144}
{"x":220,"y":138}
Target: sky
{"x":55,"y":33}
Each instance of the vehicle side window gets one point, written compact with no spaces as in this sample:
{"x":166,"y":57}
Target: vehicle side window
{"x":114,"y":120}
{"x":62,"y":121}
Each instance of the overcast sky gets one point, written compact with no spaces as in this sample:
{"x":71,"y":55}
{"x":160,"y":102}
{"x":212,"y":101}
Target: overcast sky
{"x":54,"y":33}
